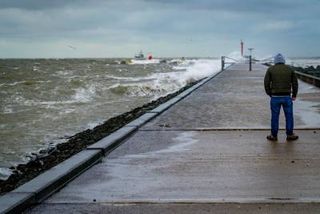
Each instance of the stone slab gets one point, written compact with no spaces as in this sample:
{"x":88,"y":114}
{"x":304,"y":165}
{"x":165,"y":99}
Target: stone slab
{"x":52,"y":180}
{"x":110,"y":142}
{"x":161,"y":108}
{"x":15,"y":202}
{"x":186,"y":93}
{"x":142,"y":119}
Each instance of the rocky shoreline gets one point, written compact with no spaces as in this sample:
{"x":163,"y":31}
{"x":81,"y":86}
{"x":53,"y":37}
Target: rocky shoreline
{"x":311,"y":70}
{"x":23,"y":173}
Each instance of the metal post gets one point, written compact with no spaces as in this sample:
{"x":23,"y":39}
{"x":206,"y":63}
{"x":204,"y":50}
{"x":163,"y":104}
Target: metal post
{"x":222,"y":63}
{"x":250,"y":59}
{"x":241,"y":47}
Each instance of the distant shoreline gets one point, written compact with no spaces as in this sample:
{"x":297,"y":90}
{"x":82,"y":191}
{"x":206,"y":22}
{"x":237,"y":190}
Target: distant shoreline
{"x":160,"y":57}
{"x":128,"y":57}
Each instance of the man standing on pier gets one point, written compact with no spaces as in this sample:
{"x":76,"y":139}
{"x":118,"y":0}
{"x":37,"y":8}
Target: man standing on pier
{"x":281,"y":84}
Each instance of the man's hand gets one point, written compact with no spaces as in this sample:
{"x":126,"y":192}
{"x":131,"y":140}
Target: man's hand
{"x":293,"y":98}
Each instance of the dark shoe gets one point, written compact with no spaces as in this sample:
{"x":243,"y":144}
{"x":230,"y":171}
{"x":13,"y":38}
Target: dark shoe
{"x":272,"y":138}
{"x":292,"y":137}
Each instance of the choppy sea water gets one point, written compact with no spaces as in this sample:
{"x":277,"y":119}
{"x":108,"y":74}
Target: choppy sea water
{"x":43,"y":101}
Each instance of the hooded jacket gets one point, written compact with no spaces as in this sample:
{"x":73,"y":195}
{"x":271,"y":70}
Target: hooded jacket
{"x":280,"y":79}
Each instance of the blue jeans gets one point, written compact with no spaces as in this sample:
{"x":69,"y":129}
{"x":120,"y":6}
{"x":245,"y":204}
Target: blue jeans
{"x":275,"y":105}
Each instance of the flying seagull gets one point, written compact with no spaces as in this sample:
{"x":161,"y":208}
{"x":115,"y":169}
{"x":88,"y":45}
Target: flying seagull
{"x":72,"y":47}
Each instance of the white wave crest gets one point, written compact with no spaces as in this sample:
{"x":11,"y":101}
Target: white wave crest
{"x":235,"y":56}
{"x":84,"y":94}
{"x":145,"y":62}
{"x":4,"y":173}
{"x":129,"y":79}
{"x":160,"y":84}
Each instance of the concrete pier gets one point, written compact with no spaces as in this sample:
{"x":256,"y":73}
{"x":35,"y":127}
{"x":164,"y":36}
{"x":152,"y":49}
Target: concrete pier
{"x":208,"y":153}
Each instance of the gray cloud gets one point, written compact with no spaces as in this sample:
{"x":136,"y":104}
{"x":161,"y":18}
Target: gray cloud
{"x":169,"y":27}
{"x":236,"y":5}
{"x":41,"y":4}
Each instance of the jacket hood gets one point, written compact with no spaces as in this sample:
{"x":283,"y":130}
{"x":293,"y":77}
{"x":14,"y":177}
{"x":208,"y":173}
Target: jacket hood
{"x":279,"y":58}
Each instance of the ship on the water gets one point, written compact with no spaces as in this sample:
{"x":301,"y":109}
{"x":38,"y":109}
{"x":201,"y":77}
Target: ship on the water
{"x":139,"y":56}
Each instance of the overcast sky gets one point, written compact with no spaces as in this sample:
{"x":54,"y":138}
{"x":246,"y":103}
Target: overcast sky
{"x":120,"y":28}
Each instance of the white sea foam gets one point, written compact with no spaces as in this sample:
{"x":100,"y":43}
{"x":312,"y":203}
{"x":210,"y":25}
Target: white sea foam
{"x":81,"y":95}
{"x":7,"y":110}
{"x":133,"y":79}
{"x":64,"y":73}
{"x":2,"y":126}
{"x":145,"y":62}
{"x":91,"y":125}
{"x":35,"y":68}
{"x":66,"y":111}
{"x":199,"y":69}
{"x":5,"y":173}
{"x":84,"y":94}
{"x":160,"y":84}
{"x":15,"y":83}
{"x":235,"y":56}
{"x":189,"y":71}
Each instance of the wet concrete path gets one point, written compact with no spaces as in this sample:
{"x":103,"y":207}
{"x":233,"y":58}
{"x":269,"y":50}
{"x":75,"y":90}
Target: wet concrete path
{"x":208,"y":153}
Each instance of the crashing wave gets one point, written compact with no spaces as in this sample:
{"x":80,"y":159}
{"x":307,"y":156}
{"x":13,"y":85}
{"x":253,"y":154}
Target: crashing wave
{"x":160,"y":84}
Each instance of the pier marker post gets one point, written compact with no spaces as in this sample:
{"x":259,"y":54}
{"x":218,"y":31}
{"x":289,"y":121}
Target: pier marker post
{"x":250,"y":59}
{"x":222,"y":63}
